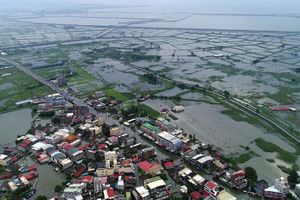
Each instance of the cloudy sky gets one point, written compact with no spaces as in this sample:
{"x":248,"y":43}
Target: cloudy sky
{"x":203,"y":6}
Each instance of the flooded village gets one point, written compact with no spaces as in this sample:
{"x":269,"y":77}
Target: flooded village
{"x":137,"y":107}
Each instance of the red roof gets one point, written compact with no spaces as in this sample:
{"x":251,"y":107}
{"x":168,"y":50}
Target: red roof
{"x":196,"y":195}
{"x":145,"y":165}
{"x":102,"y":146}
{"x":25,"y":143}
{"x":83,"y":147}
{"x":87,"y":179}
{"x":110,"y":192}
{"x":211,"y":185}
{"x":280,"y":108}
{"x":240,"y":173}
{"x":169,"y":164}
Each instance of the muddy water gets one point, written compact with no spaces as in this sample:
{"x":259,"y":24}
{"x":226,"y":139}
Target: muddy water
{"x":212,"y":127}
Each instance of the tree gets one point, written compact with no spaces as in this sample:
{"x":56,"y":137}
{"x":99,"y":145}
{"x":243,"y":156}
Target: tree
{"x":251,"y":175}
{"x":106,"y":129}
{"x":58,"y":188}
{"x":41,"y":198}
{"x":293,"y":178}
{"x":226,"y":94}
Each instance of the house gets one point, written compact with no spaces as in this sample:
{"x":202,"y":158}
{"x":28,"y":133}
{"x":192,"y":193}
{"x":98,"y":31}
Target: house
{"x":4,"y":160}
{"x":150,"y":130}
{"x":197,"y":180}
{"x":38,"y":147}
{"x":65,"y":163}
{"x":169,"y":141}
{"x":91,"y":154}
{"x":120,"y":183}
{"x":279,"y":190}
{"x":109,"y":193}
{"x":165,"y":125}
{"x":72,"y":192}
{"x":99,"y":182}
{"x":77,"y":155}
{"x":148,"y":168}
{"x":157,"y":188}
{"x":260,"y":186}
{"x":54,"y":139}
{"x":129,"y":141}
{"x":104,"y":172}
{"x":211,"y":188}
{"x":71,"y":138}
{"x":177,"y":109}
{"x":115,"y":130}
{"x":110,"y":159}
{"x":24,"y":145}
{"x":146,"y":153}
{"x":141,"y":193}
{"x":238,"y":179}
{"x":184,"y":172}
{"x":205,"y":163}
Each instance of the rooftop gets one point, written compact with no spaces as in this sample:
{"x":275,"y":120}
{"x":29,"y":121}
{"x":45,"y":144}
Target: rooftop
{"x":156,"y":184}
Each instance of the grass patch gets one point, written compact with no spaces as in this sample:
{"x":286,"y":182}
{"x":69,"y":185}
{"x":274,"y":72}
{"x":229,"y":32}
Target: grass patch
{"x":273,"y":148}
{"x":115,"y":94}
{"x":21,"y":87}
{"x":148,"y":110}
{"x":242,"y":158}
{"x":239,"y":116}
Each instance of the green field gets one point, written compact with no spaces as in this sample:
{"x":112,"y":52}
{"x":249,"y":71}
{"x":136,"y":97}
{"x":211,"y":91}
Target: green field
{"x":273,"y":148}
{"x":17,"y":86}
{"x":242,"y":158}
{"x":115,"y":94}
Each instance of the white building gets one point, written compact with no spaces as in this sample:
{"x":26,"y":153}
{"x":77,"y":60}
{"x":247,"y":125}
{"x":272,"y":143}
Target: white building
{"x":141,"y":193}
{"x":169,"y":141}
{"x":54,"y":139}
{"x":71,"y":192}
{"x":78,"y":155}
{"x":65,"y":163}
{"x":111,"y":159}
{"x":4,"y":160}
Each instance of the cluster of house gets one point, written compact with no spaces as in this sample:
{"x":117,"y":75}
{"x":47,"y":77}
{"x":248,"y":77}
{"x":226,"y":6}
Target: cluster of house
{"x":166,"y":135}
{"x":18,"y":176}
{"x":118,"y":167}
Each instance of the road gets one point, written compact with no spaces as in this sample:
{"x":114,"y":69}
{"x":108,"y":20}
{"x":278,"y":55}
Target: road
{"x":55,"y":88}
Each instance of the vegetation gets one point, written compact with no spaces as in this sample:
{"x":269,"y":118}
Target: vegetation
{"x":41,"y":198}
{"x":240,"y":116}
{"x":58,"y":188}
{"x":114,"y":53}
{"x":18,"y":86}
{"x":139,"y":109}
{"x":251,"y":175}
{"x":47,"y":114}
{"x":272,"y":148}
{"x":245,"y":157}
{"x":106,"y":129}
{"x":115,"y":94}
{"x":293,"y":178}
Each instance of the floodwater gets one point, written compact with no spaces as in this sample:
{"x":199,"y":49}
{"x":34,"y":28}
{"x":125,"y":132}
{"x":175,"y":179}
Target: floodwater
{"x":203,"y":21}
{"x":17,"y":123}
{"x":13,"y":124}
{"x":212,"y":127}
